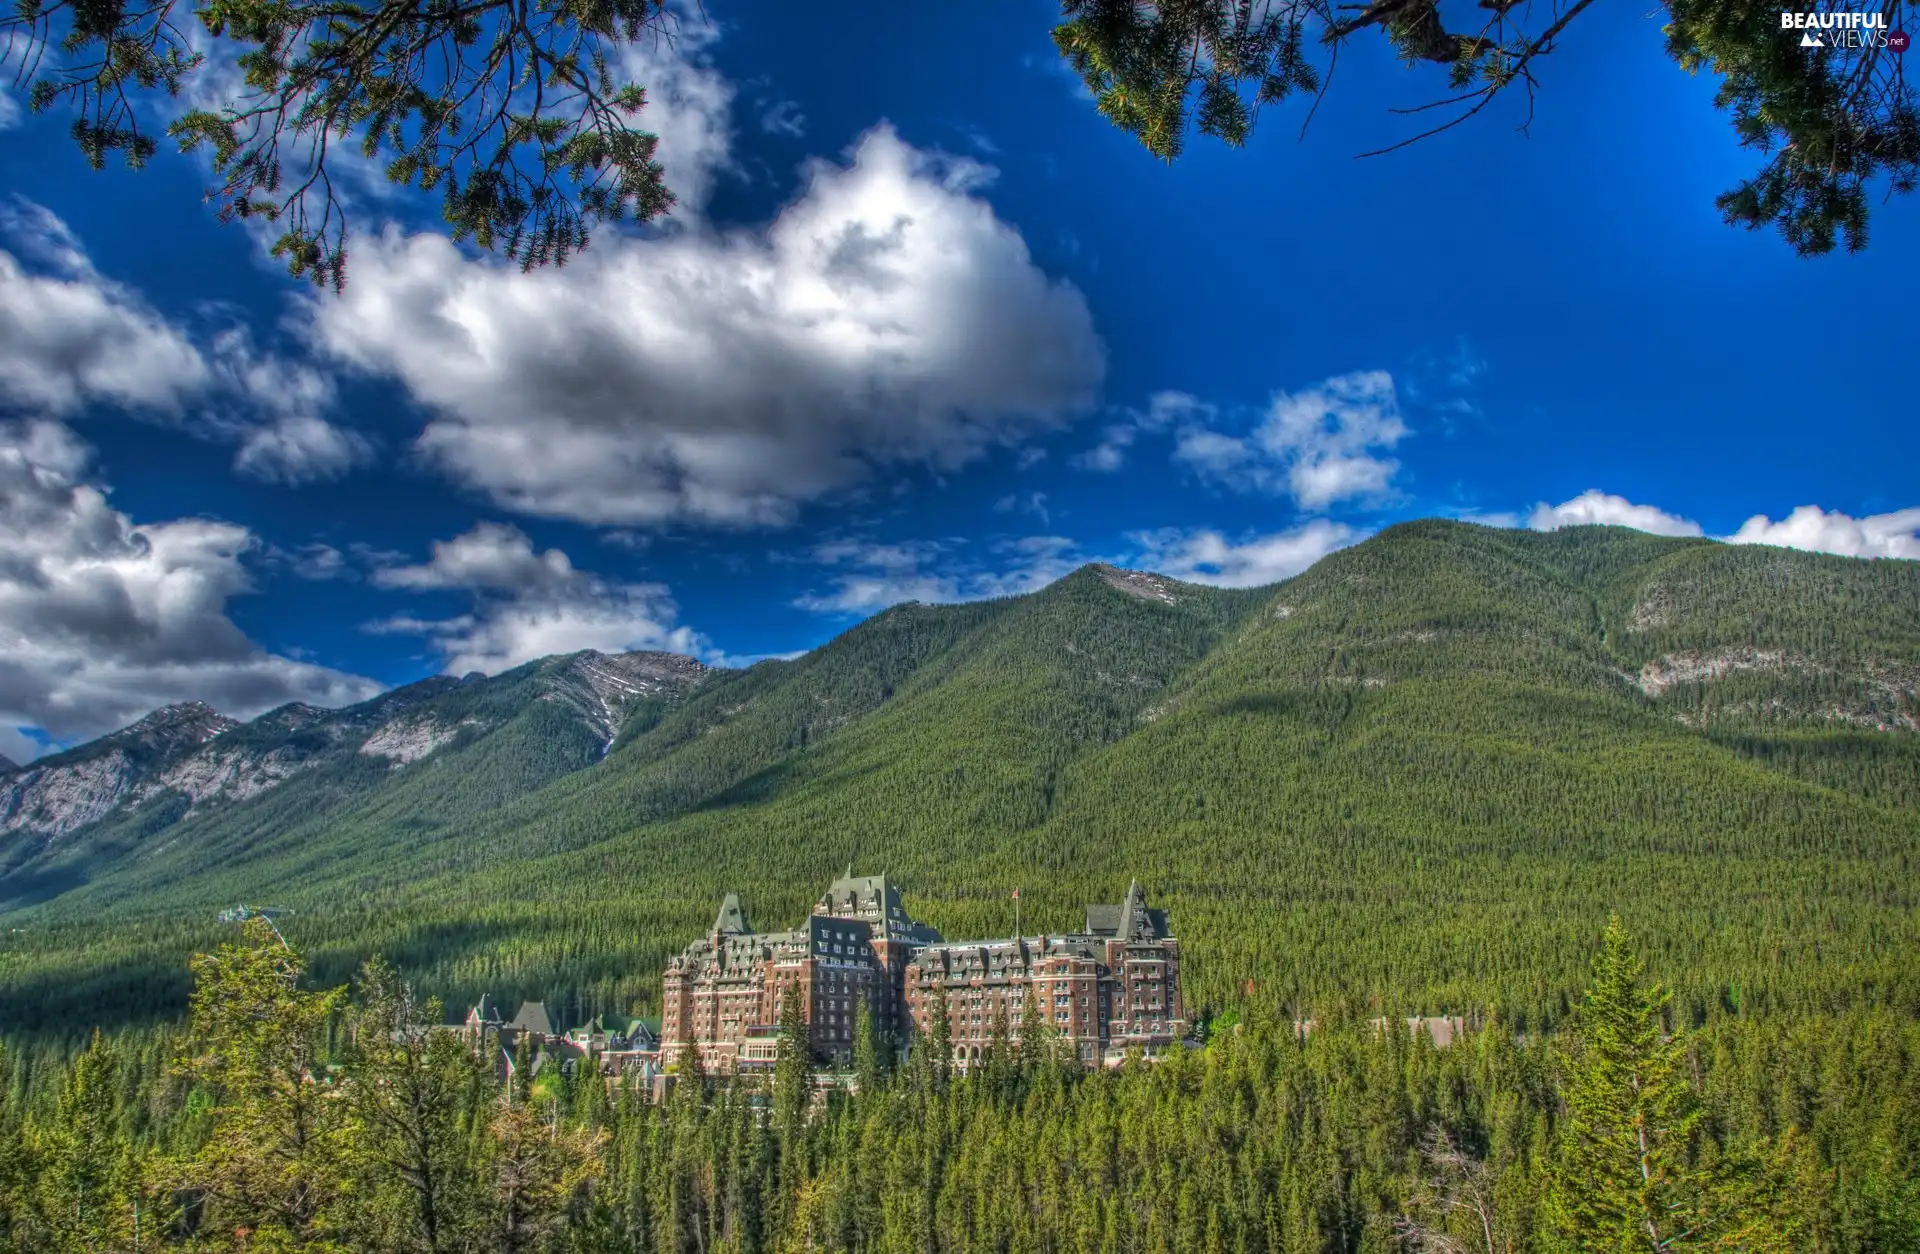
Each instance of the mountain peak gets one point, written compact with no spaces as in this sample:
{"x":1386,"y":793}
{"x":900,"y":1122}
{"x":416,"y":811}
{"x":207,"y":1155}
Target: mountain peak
{"x":183,"y":720}
{"x":1137,"y":583}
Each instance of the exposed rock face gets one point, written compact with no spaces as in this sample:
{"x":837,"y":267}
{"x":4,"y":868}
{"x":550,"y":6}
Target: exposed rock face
{"x":1684,"y":668}
{"x":69,"y":790}
{"x":1139,"y":583}
{"x":603,"y":688}
{"x":1881,"y":695}
{"x":183,"y":750}
{"x":409,"y":739}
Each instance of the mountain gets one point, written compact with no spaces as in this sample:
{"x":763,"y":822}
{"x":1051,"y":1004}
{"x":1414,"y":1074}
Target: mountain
{"x":67,"y":791}
{"x":183,"y":769}
{"x":1422,"y":773}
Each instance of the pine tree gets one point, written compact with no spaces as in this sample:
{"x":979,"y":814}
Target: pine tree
{"x":939,"y":1047}
{"x":14,"y":1168}
{"x":524,"y":1061}
{"x":408,"y":1083}
{"x":1625,"y":1177}
{"x":78,"y":1155}
{"x":272,"y":1160}
{"x":866,"y":1050}
{"x":792,"y":1070}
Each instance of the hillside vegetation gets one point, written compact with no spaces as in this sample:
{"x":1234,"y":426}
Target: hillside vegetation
{"x":1421,"y":774}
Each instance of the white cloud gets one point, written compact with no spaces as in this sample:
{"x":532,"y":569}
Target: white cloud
{"x":875,"y":575}
{"x":492,"y":557}
{"x":299,"y":450}
{"x":689,"y":105}
{"x":1809,"y":527}
{"x":1164,"y":409}
{"x":1320,"y":446}
{"x":103,"y":619}
{"x":527,"y":604}
{"x":886,"y":317}
{"x":1594,"y":507}
{"x":70,"y":337}
{"x":783,"y":117}
{"x":1198,"y":555}
{"x":316,"y":562}
{"x":11,"y":115}
{"x":1895,"y":534}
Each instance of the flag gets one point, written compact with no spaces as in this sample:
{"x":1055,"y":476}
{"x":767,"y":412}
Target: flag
{"x":1016,"y":894}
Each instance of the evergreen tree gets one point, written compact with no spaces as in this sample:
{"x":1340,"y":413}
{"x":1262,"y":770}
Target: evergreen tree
{"x":792,"y":1071}
{"x":866,"y":1049}
{"x":525,"y":1060}
{"x":1626,"y":1177}
{"x":538,"y":1165}
{"x":939,"y":1045}
{"x":78,"y":1154}
{"x":14,"y":1169}
{"x":409,"y":1083}
{"x":272,"y":1160}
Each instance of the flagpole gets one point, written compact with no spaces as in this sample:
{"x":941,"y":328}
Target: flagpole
{"x":1016,"y":914}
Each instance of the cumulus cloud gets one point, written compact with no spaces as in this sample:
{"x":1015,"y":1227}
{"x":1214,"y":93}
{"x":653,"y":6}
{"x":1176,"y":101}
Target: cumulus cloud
{"x":1198,"y":555}
{"x":1895,"y":534}
{"x":103,"y":619}
{"x":1809,"y":527}
{"x":1594,"y":507}
{"x":887,"y":317}
{"x":71,"y":337}
{"x":526,"y":604}
{"x":873,"y":576}
{"x":68,"y":336}
{"x":1320,"y":446}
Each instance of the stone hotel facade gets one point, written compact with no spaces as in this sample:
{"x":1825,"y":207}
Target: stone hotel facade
{"x":1113,"y":987}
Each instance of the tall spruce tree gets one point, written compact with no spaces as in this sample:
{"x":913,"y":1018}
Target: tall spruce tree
{"x":867,"y":1072}
{"x":79,"y":1153}
{"x":1629,"y":1173}
{"x":792,"y":1069}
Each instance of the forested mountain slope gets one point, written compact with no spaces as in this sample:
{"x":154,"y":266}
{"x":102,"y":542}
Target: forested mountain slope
{"x":1422,"y":773}
{"x":187,"y":787}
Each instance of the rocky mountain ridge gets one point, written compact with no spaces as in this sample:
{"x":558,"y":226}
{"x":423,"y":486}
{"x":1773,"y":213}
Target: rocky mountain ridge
{"x":194,"y":756}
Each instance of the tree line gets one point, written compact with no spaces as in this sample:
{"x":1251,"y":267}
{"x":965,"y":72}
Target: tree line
{"x":285,"y":1115}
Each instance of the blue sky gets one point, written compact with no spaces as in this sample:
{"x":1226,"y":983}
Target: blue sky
{"x":925,"y":326}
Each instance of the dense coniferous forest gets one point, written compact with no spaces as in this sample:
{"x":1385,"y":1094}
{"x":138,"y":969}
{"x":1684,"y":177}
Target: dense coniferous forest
{"x":1421,"y":774}
{"x":1418,"y":778}
{"x":286,"y":1116}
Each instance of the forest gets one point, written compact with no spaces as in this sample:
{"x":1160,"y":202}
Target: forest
{"x":1422,"y":774}
{"x":1420,"y":778}
{"x":284,"y":1115}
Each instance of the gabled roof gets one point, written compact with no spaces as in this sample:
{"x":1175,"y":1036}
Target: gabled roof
{"x":1132,"y":919}
{"x":484,"y":1011}
{"x":731,"y":919}
{"x":533,"y":1018}
{"x":861,"y":896}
